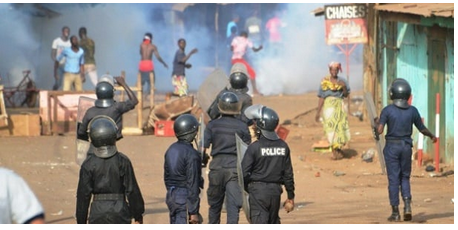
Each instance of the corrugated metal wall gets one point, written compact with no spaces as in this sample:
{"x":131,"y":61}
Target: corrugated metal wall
{"x":414,"y":52}
{"x":411,"y":65}
{"x":450,"y":97}
{"x":436,"y":84}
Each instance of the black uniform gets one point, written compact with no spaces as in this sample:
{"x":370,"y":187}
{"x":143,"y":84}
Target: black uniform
{"x":223,"y":180}
{"x":266,"y":166}
{"x":244,"y":98}
{"x":183,"y":180}
{"x":115,"y":112}
{"x":111,"y":181}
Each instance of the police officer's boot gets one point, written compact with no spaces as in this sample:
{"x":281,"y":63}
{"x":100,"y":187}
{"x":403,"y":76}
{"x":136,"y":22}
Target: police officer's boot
{"x":407,"y":209}
{"x":395,"y":216}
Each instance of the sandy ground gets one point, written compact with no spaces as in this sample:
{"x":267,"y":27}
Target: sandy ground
{"x":348,"y":191}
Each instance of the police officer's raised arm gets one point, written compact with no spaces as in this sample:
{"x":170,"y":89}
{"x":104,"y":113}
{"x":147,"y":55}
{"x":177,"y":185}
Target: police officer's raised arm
{"x":122,"y":82}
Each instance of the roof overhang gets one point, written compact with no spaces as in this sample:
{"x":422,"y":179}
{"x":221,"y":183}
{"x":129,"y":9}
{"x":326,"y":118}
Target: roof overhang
{"x":35,"y":9}
{"x":318,"y":12}
{"x":422,"y":9}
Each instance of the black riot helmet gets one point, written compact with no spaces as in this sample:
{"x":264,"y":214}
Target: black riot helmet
{"x":186,"y":127}
{"x":238,"y":77}
{"x":102,"y":132}
{"x":400,"y":92}
{"x":229,"y":103}
{"x":238,"y":80}
{"x":266,"y":120}
{"x":105,"y":94}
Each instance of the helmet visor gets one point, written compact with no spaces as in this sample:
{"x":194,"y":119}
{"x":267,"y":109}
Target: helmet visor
{"x":254,"y":111}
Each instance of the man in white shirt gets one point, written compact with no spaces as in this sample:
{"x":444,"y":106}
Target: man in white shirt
{"x":253,"y":26}
{"x":58,"y":45}
{"x":18,"y":203}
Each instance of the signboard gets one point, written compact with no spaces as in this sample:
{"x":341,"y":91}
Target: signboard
{"x":345,"y":24}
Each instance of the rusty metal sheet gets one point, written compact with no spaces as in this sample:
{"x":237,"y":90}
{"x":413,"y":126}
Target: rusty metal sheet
{"x":423,"y":9}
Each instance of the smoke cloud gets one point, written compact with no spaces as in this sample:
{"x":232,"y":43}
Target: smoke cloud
{"x":118,"y":30}
{"x":17,"y":45}
{"x":303,"y":60}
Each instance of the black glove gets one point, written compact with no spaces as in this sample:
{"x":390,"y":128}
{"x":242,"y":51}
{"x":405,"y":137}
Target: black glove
{"x":201,"y":183}
{"x":245,"y":184}
{"x":375,"y":133}
{"x":205,"y":159}
{"x":213,"y":111}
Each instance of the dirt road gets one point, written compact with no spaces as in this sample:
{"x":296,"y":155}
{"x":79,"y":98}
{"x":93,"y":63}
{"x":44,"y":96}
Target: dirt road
{"x":348,"y":191}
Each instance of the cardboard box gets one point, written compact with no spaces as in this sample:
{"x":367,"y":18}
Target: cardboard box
{"x":22,"y":125}
{"x":164,"y":129}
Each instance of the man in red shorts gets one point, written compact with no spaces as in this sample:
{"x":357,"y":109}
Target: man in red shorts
{"x":146,"y":66}
{"x":239,"y":46}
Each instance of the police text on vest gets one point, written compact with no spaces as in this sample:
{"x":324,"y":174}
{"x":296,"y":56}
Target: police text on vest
{"x":273,"y":151}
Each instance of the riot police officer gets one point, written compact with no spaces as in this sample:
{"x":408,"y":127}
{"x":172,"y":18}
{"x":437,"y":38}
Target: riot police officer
{"x":223,"y":180}
{"x":105,"y":105}
{"x":183,"y":173}
{"x":107,"y":177}
{"x":238,"y":80}
{"x":399,"y":117}
{"x":266,"y":167}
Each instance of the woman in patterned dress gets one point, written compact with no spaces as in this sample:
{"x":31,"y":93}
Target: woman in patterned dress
{"x":331,"y":93}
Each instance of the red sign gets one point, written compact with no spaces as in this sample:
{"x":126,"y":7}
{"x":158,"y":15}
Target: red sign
{"x":345,"y":24}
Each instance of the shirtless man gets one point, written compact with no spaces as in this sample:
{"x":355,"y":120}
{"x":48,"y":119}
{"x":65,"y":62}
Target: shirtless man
{"x":146,"y":67}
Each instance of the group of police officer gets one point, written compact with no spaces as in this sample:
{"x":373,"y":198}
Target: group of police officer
{"x":108,"y":179}
{"x":231,"y":114}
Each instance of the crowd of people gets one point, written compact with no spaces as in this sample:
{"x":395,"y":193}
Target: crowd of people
{"x":74,"y":58}
{"x":244,"y":43}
